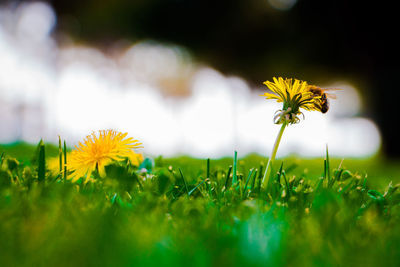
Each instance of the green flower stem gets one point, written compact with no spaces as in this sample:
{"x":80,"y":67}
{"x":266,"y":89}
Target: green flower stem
{"x":273,"y":154}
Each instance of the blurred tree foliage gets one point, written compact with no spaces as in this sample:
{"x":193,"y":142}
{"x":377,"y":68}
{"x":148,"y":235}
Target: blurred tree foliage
{"x":319,"y":41}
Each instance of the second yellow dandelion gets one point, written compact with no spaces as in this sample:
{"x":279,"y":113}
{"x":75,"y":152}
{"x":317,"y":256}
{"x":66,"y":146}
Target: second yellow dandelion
{"x":99,"y":150}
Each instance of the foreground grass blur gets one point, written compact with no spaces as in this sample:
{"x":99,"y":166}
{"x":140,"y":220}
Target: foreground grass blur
{"x":184,"y":211}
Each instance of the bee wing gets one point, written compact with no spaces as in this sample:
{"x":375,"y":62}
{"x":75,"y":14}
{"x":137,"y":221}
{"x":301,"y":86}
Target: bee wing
{"x":331,"y":96}
{"x":332,"y":89}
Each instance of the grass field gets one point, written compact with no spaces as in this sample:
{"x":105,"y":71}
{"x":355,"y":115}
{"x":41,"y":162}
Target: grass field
{"x":198,"y":212}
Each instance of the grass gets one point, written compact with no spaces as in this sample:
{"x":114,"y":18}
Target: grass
{"x":199,"y":212}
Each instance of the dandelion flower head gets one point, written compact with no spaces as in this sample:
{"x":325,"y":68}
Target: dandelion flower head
{"x":294,"y":94}
{"x":99,"y":150}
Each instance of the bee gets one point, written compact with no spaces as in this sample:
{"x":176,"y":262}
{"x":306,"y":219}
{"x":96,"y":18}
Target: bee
{"x":323,"y":104}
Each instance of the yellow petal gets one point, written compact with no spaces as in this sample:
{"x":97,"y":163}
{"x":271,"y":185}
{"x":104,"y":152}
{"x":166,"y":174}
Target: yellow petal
{"x":102,"y":170}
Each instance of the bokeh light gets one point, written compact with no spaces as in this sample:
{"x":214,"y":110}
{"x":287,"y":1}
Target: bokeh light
{"x":156,"y":92}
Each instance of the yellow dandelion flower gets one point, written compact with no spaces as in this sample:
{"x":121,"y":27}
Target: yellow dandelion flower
{"x":98,"y":151}
{"x":294,"y":94}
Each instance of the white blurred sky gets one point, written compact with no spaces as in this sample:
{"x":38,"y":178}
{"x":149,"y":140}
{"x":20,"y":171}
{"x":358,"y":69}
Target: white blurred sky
{"x":48,"y":89}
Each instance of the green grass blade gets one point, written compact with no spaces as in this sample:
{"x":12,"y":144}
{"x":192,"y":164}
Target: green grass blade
{"x":271,"y":180}
{"x":275,"y":185}
{"x":338,"y":175}
{"x":286,"y":184}
{"x":227,"y":178}
{"x":208,"y":168}
{"x":278,"y":176}
{"x":234,"y":176}
{"x":1,"y":158}
{"x":60,"y":154}
{"x":346,"y":187}
{"x":260,"y":176}
{"x":364,"y":186}
{"x":327,"y":168}
{"x":253,"y":181}
{"x":248,"y":179}
{"x":184,"y":181}
{"x":319,"y":184}
{"x":41,"y":162}
{"x":194,"y":189}
{"x":138,"y":181}
{"x":339,"y":171}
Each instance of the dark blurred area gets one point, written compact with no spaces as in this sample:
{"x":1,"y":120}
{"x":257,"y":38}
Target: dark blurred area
{"x":318,"y":41}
